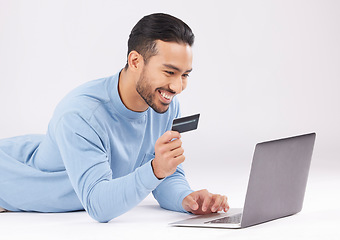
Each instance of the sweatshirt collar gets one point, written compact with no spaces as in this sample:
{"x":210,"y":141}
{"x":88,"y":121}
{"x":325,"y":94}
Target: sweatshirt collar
{"x":117,"y":101}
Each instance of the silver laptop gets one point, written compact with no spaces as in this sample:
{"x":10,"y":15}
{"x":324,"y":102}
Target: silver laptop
{"x":276,"y":186}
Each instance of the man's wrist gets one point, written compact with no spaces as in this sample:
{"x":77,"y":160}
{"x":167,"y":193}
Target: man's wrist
{"x":153,"y":169}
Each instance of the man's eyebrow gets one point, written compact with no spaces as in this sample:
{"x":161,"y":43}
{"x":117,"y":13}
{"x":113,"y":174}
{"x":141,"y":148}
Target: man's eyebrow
{"x":176,"y":68}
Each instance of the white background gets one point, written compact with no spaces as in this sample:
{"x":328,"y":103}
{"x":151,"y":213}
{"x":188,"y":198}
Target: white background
{"x":262,"y":70}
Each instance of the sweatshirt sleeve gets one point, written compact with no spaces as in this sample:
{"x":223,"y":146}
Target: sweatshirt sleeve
{"x":171,"y":192}
{"x":87,"y":164}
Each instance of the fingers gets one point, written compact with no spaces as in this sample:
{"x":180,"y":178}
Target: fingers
{"x":190,"y":204}
{"x":225,"y":206}
{"x":168,"y":136}
{"x":168,"y":154}
{"x":220,"y":203}
{"x":203,"y":202}
{"x":175,"y":145}
{"x":218,"y":200}
{"x":207,"y":200}
{"x":170,"y":148}
{"x":172,"y":151}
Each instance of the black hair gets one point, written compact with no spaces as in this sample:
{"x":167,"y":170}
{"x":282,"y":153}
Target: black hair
{"x":157,"y":26}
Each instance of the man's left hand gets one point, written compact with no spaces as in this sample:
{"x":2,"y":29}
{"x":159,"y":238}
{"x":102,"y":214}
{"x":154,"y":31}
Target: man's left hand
{"x":203,"y":202}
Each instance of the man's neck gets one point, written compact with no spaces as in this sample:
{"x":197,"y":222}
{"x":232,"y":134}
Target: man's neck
{"x":128,"y":94}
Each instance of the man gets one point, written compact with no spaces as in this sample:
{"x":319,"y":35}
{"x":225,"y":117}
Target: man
{"x":108,"y":144}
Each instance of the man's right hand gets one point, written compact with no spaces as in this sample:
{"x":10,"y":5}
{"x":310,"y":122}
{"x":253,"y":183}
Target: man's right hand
{"x":168,"y":154}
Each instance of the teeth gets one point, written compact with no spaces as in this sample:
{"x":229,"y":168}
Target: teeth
{"x":166,"y":96}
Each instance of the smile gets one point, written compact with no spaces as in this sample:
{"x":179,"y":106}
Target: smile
{"x":166,"y":95}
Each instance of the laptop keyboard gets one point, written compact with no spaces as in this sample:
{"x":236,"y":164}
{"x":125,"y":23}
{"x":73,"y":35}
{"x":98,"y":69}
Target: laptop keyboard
{"x":230,"y":219}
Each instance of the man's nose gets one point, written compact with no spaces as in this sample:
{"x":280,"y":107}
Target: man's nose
{"x":177,"y":85}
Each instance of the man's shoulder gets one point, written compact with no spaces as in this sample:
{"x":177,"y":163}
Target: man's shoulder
{"x":96,"y":90}
{"x":86,"y":98}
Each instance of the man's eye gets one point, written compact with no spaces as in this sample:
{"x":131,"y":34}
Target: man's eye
{"x":170,"y":73}
{"x":185,"y":75}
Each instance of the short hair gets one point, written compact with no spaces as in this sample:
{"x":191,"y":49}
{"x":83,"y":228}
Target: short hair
{"x":157,"y":26}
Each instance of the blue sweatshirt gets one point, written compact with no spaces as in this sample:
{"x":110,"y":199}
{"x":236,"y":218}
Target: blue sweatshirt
{"x":96,"y":155}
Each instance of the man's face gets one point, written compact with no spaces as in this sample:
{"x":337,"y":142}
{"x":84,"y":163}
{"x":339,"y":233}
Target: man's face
{"x":165,"y":75}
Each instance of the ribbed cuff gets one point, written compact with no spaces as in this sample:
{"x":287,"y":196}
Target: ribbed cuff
{"x":181,"y":198}
{"x":147,"y":176}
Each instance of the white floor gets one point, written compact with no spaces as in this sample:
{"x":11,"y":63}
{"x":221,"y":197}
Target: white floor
{"x":319,"y":219}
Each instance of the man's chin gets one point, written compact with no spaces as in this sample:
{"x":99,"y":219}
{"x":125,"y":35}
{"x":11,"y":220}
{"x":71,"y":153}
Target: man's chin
{"x":162,"y":109}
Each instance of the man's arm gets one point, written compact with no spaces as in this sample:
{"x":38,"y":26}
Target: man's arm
{"x":166,"y":165}
{"x":174,"y":193}
{"x":90,"y":174}
{"x":171,"y":192}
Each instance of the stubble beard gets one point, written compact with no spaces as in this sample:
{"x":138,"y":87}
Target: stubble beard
{"x":144,"y":89}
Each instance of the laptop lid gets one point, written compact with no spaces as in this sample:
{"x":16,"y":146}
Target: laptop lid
{"x":278,"y":179}
{"x":276,"y":186}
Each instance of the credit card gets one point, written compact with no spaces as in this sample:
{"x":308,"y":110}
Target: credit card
{"x":185,"y":124}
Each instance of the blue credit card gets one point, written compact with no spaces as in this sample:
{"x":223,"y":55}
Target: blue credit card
{"x":185,"y":124}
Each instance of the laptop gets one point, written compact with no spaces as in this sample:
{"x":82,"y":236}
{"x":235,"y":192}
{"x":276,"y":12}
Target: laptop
{"x":276,"y":186}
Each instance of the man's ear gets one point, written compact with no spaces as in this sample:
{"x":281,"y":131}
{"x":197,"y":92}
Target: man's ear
{"x":135,"y":61}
